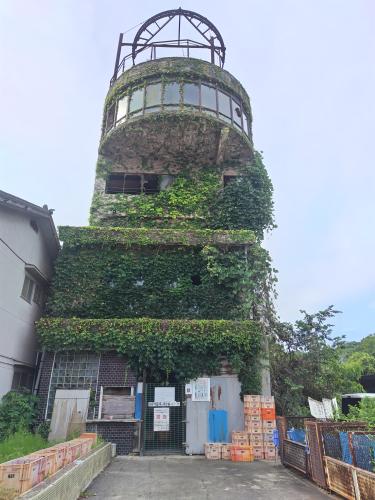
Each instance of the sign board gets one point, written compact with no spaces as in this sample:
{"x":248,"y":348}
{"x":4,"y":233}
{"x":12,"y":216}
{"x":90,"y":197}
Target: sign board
{"x":188,"y":389}
{"x":201,"y":389}
{"x":161,"y":419}
{"x":159,"y":404}
{"x":164,"y":394}
{"x":328,"y":408}
{"x":317,"y":409}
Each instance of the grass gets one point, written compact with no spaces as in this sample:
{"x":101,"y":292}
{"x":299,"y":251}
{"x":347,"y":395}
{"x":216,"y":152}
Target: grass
{"x":19,"y":444}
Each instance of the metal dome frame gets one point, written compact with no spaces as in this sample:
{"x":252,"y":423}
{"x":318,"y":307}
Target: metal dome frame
{"x":144,"y":38}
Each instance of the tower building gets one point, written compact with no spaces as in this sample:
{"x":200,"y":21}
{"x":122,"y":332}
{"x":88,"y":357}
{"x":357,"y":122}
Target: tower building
{"x":156,"y":308}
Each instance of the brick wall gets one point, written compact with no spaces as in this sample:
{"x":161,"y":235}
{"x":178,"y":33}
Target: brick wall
{"x":121,"y":433}
{"x":113,"y":371}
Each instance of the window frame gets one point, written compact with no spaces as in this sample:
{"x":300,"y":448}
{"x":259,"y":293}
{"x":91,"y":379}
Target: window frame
{"x":27,"y":295}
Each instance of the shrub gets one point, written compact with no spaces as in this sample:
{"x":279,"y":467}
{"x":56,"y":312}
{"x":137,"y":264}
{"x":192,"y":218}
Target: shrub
{"x":17,"y":412}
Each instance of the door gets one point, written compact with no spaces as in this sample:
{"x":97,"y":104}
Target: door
{"x":164,"y":419}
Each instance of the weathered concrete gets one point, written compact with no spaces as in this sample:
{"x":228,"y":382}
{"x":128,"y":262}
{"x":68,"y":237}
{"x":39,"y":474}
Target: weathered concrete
{"x":173,"y":477}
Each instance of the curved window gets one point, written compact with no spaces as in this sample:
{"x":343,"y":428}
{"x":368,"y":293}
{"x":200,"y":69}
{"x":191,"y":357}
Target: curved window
{"x":172,"y":93}
{"x":170,"y":96}
{"x":136,"y":101}
{"x":224,"y":104}
{"x":153,"y":95}
{"x":122,"y":108}
{"x":191,"y":94}
{"x":208,"y":99}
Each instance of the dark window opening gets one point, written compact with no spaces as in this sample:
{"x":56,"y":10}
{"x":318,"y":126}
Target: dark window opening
{"x":196,"y":279}
{"x":23,"y":377}
{"x":132,"y":184}
{"x":229,"y":178}
{"x":137,"y":183}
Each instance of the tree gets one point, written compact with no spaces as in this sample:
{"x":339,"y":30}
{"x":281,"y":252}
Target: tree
{"x":304,"y":361}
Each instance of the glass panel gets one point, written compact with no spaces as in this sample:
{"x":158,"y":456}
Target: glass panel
{"x":224,"y":103}
{"x":133,"y":184}
{"x":115,"y":184}
{"x":153,"y":95}
{"x":237,"y":113}
{"x":122,"y":108}
{"x":208,"y":97}
{"x":136,"y":100}
{"x":191,"y":94}
{"x":172,"y":93}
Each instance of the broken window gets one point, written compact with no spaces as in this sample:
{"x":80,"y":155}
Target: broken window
{"x":136,"y":183}
{"x":224,"y":106}
{"x":117,"y":403}
{"x":237,"y":113}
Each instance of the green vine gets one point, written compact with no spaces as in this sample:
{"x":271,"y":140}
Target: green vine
{"x":180,"y":349}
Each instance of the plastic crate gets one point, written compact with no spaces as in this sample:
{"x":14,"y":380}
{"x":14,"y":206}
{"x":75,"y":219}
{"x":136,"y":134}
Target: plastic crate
{"x":212,"y":451}
{"x":86,"y":445}
{"x":268,"y":405}
{"x":252,"y":398}
{"x":90,"y":435}
{"x":267,"y":438}
{"x":268,"y":413}
{"x":268,"y":399}
{"x":269,"y":425}
{"x":239,"y":435}
{"x":21,"y":474}
{"x":49,"y":462}
{"x":61,"y":451}
{"x":270,"y":453}
{"x":225,"y":451}
{"x":252,"y":411}
{"x":75,"y":447}
{"x":241,"y":453}
{"x":256,"y":430}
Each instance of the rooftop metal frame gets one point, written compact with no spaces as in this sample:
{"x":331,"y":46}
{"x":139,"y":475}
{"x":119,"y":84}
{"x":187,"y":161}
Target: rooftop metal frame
{"x":145,"y":39}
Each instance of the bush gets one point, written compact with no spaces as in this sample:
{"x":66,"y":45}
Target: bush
{"x":364,"y":412}
{"x":17,"y":412}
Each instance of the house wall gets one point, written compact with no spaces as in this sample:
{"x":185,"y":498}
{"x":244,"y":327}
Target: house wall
{"x":19,"y":244}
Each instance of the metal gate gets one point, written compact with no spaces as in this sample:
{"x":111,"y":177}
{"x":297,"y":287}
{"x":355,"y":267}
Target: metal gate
{"x":171,"y":436}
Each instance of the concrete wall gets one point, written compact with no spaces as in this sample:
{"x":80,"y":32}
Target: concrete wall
{"x":19,"y":244}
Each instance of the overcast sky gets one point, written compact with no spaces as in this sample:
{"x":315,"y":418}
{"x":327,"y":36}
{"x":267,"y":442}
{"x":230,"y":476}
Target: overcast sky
{"x":308,"y":66}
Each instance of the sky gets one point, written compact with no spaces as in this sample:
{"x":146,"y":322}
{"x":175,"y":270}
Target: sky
{"x":308,"y":66}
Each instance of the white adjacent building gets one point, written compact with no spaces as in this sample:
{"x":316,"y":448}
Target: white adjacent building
{"x":28,"y":247}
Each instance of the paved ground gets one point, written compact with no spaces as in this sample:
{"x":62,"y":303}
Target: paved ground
{"x":195,"y":478}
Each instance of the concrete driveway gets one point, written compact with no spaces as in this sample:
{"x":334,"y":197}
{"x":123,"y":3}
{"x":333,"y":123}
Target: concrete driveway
{"x":195,"y":478}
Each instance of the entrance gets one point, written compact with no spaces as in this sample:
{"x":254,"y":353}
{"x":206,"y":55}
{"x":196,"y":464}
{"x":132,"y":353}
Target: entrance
{"x":164,"y":419}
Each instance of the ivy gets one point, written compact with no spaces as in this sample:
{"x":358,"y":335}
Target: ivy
{"x":80,"y":236}
{"x":107,"y":279}
{"x":180,"y":349}
{"x":196,"y":199}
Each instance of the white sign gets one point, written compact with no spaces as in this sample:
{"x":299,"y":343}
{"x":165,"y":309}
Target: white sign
{"x":201,"y":389}
{"x":188,"y":389}
{"x":163,"y":403}
{"x":328,"y":408}
{"x":164,"y":394}
{"x":161,"y":419}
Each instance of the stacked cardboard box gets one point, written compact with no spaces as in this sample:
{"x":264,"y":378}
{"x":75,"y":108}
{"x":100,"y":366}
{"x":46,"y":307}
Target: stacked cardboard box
{"x":260,"y":422}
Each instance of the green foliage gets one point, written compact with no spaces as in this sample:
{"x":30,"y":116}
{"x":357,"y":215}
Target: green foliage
{"x":106,"y":280}
{"x":364,"y":412}
{"x":178,"y":348}
{"x":304,"y":362}
{"x":21,"y":443}
{"x":80,"y":236}
{"x":196,"y":199}
{"x":17,"y":412}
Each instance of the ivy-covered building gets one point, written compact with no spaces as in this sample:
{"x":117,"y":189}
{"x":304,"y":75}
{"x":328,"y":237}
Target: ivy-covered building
{"x":169,"y":282}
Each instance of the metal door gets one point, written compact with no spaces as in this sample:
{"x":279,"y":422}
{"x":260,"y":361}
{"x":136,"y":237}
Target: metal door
{"x":171,"y":440}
